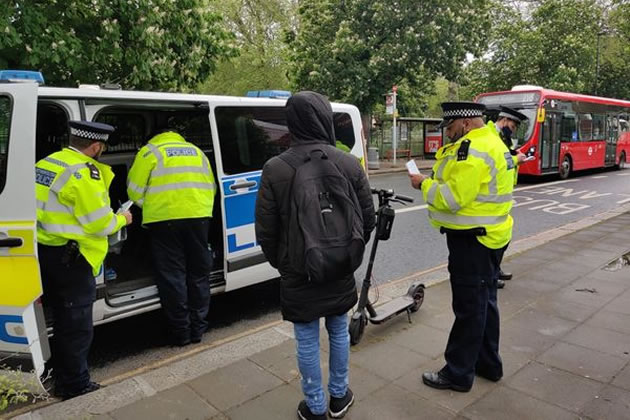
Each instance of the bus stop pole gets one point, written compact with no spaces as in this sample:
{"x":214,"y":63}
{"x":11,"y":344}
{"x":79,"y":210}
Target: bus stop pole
{"x":394,"y":139}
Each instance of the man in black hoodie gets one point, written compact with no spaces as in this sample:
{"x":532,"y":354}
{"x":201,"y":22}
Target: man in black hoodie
{"x":310,"y":122}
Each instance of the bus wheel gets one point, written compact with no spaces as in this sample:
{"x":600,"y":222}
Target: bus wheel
{"x":565,"y":168}
{"x":622,"y":161}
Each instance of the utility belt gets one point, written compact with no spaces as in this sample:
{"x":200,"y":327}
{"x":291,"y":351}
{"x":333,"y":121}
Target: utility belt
{"x":70,"y":253}
{"x":477,"y":231}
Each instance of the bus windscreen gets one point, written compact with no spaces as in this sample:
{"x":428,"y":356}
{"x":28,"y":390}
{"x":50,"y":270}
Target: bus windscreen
{"x":524,"y":102}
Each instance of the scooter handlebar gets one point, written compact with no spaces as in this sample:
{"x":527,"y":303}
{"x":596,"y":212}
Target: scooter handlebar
{"x":390,"y":195}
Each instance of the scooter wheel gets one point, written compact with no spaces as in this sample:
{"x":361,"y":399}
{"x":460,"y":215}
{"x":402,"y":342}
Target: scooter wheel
{"x":357,"y":327}
{"x":416,"y":291}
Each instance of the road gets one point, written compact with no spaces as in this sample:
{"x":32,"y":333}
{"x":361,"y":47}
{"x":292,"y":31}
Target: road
{"x":122,"y":346}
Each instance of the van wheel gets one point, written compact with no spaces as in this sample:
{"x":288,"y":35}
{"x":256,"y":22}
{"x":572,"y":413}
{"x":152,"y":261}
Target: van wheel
{"x":565,"y":168}
{"x":622,"y":161}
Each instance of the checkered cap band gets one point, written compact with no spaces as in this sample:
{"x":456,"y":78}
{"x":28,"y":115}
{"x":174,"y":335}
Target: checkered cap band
{"x":462,"y":113}
{"x":90,"y":135}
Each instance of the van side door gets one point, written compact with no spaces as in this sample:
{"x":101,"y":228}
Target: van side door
{"x":22,"y":327}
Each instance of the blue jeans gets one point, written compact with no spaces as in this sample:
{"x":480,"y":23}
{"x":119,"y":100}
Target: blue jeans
{"x":307,"y":346}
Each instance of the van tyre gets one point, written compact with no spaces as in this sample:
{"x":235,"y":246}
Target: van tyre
{"x":565,"y":167}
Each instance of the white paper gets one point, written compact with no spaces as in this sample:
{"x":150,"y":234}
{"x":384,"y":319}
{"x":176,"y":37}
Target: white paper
{"x":412,"y":168}
{"x":125,"y":206}
{"x":528,"y":158}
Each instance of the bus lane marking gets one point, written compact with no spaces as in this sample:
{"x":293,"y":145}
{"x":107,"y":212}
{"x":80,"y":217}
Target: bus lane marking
{"x":599,"y":176}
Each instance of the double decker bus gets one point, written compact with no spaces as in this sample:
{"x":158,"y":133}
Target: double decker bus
{"x":566,"y":132}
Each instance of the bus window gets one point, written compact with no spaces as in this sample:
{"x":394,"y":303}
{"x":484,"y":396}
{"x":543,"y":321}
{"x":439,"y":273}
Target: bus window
{"x":586,"y":127}
{"x":599,"y":132}
{"x":526,"y":128}
{"x":568,"y":128}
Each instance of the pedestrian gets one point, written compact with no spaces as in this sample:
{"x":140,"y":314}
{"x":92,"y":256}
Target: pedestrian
{"x":74,"y":218}
{"x":305,"y":298}
{"x":172,"y":180}
{"x":469,"y":198}
{"x":507,"y":123}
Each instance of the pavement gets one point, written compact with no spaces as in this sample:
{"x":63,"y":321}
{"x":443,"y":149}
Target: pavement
{"x":565,"y":343}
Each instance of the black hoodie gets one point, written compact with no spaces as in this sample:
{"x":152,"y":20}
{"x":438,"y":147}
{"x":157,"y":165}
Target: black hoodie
{"x":310,"y":122}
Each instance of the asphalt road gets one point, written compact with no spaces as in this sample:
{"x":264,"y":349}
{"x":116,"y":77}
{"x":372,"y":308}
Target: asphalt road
{"x":125,"y":345}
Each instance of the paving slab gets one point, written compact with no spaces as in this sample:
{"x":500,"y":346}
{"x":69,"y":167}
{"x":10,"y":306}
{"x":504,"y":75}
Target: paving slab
{"x":615,"y":321}
{"x":425,"y":340}
{"x":545,"y":324}
{"x":611,"y":403}
{"x":583,"y":361}
{"x":234,"y":384}
{"x":387,"y":360}
{"x":567,"y":310}
{"x":622,"y":380}
{"x":180,"y":402}
{"x":555,"y":386}
{"x":278,"y":404}
{"x":606,"y":341}
{"x":504,"y":403}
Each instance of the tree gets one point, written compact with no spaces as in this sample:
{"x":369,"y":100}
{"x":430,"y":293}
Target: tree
{"x":142,"y":44}
{"x":355,"y":50}
{"x":261,"y":64}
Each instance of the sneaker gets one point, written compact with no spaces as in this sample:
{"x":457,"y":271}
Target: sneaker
{"x":66,"y":395}
{"x":338,"y":407}
{"x":304,"y":413}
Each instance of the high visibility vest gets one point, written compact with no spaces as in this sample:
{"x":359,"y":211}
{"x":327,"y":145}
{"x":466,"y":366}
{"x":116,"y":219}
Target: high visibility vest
{"x":472,"y":185}
{"x":72,"y":192}
{"x":171,"y":179}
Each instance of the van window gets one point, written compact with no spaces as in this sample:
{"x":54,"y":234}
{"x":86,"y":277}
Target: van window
{"x":249,"y":136}
{"x":52,"y":130}
{"x":5,"y":124}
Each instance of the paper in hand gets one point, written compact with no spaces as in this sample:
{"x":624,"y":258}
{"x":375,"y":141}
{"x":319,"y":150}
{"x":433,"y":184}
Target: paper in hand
{"x":412,"y":168}
{"x":125,"y":206}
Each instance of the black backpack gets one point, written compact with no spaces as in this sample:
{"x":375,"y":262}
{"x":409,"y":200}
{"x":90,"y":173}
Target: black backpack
{"x":325,"y":235}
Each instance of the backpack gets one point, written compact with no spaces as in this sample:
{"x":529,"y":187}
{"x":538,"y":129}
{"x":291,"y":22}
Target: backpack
{"x":325,"y":233}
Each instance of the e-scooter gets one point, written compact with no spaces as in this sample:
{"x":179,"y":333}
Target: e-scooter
{"x":410,"y":302}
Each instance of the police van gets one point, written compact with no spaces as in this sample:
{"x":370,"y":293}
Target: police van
{"x":238,"y":134}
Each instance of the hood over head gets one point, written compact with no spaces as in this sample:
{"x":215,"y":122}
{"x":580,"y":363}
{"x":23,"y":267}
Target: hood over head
{"x":310,"y":119}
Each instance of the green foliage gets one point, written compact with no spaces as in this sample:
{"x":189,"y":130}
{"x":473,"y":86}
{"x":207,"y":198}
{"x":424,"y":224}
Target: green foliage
{"x":142,"y":44}
{"x":14,"y":388}
{"x":260,"y":27}
{"x":555,"y":46}
{"x":355,"y":50}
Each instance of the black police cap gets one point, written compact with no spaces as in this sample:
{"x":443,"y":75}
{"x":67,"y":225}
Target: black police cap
{"x":512,"y":114}
{"x":90,"y":130}
{"x":456,"y":110}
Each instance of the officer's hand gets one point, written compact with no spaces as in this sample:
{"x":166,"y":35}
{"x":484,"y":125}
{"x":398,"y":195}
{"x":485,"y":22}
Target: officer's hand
{"x":128,"y":216}
{"x":520,"y":157}
{"x":416,"y":180}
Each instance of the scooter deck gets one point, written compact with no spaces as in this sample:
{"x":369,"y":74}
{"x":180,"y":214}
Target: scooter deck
{"x":391,"y":309}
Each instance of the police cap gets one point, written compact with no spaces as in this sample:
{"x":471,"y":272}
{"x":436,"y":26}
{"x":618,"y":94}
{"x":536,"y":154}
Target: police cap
{"x":512,"y":114}
{"x":90,"y":130}
{"x":456,"y":110}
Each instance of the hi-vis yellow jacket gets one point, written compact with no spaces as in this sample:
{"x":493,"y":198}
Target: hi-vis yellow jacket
{"x":473,"y":189}
{"x":171,"y":179}
{"x":72,"y":192}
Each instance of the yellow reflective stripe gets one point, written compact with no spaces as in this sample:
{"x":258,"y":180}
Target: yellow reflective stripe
{"x":135,"y":187}
{"x":449,"y":198}
{"x":438,"y":174}
{"x":492,"y":186}
{"x":179,"y":170}
{"x":180,"y":185}
{"x":431,"y":193}
{"x":496,"y":198}
{"x":62,"y":179}
{"x":56,"y":162}
{"x":458,"y":219}
{"x":95,"y":215}
{"x":59,"y":228}
{"x":53,"y":205}
{"x":110,"y":228}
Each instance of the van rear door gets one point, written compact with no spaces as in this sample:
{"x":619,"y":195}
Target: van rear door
{"x":23,"y":339}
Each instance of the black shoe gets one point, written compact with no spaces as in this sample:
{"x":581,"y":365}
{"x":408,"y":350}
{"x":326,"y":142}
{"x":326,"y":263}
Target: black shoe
{"x":195,"y":340}
{"x":500,"y":284}
{"x":304,"y":413}
{"x":66,"y":395}
{"x":438,"y":381}
{"x":488,"y":376}
{"x":181,"y":342}
{"x":504,"y":276}
{"x":338,"y":407}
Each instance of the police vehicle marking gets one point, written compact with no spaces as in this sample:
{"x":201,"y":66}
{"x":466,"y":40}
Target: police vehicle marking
{"x":6,"y":335}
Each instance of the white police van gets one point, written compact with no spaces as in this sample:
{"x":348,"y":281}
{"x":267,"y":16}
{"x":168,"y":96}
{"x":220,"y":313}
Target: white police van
{"x":238,"y":134}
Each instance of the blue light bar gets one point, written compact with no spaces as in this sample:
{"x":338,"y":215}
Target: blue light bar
{"x":268,"y":94}
{"x":21,"y":75}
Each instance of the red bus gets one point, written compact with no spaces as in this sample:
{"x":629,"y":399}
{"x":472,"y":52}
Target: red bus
{"x":566,"y":132}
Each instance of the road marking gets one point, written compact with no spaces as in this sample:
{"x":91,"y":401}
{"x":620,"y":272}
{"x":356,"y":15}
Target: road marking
{"x":627,"y":200}
{"x":529,"y":187}
{"x":599,"y":176}
{"x":625,"y":174}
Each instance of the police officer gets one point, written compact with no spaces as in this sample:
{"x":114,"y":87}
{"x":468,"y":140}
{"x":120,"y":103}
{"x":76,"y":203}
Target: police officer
{"x":507,"y":123}
{"x":469,"y":197}
{"x":74,"y":219}
{"x":171,"y":179}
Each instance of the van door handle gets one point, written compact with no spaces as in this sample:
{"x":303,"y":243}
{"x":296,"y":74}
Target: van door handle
{"x":240,"y":185}
{"x":11,"y":242}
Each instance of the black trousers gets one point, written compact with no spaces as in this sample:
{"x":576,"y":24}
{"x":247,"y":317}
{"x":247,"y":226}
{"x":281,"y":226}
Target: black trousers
{"x":70,"y":292}
{"x":183,"y":263}
{"x":473,"y":343}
